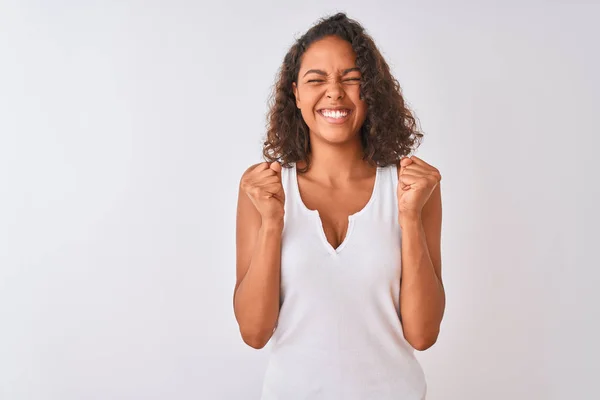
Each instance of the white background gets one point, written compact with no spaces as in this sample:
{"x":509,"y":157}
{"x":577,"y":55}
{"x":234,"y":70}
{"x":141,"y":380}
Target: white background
{"x":125,"y":127}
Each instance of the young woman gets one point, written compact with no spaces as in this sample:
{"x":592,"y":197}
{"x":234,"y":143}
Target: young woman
{"x":338,"y":232}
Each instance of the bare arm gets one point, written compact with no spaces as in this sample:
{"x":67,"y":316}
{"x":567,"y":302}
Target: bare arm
{"x":422,"y":295}
{"x":258,"y":259}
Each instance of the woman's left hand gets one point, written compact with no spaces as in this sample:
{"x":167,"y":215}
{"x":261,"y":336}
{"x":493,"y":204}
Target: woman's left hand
{"x":416,"y":182}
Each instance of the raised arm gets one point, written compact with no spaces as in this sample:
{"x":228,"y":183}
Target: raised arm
{"x":259,"y":224}
{"x":422,"y":294}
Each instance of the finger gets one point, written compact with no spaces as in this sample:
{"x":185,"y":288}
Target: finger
{"x":274,"y":190}
{"x":419,"y":161}
{"x":262,"y":166}
{"x":276,"y":167}
{"x":409,"y":179}
{"x":416,"y":169}
{"x":267,"y":172}
{"x":425,"y":170}
{"x":268,"y":180}
{"x":405,"y":161}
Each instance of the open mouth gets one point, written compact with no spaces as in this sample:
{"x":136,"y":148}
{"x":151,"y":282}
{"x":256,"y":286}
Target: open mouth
{"x":335,"y":116}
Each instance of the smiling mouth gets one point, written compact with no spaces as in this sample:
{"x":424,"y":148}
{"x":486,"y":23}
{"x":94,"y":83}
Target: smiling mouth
{"x":335,"y":116}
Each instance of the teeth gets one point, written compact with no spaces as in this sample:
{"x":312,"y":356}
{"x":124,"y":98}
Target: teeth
{"x":334,"y":114}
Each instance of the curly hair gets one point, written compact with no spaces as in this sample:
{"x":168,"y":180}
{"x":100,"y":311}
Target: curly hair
{"x":390,"y":130}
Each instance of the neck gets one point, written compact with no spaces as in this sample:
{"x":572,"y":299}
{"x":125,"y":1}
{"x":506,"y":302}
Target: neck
{"x":337,"y":164}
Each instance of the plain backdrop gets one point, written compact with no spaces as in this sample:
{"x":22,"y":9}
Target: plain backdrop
{"x":125,"y":127}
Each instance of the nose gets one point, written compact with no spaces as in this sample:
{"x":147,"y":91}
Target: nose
{"x":334,"y":91}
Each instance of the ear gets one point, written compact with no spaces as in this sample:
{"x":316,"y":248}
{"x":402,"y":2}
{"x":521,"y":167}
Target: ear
{"x":295,"y":90}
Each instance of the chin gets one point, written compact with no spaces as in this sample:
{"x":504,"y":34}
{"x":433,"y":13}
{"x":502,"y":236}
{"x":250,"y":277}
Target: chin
{"x":337,"y":137}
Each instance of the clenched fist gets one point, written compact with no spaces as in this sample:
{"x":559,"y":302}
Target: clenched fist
{"x":417,"y":181}
{"x":263,"y":186}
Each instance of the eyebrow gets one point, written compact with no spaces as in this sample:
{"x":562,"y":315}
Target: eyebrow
{"x":320,"y":72}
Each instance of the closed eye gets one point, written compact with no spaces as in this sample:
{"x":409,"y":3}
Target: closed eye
{"x":321,"y":80}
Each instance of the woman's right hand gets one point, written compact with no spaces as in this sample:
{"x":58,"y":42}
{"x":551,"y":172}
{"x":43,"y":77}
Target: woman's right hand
{"x":263,"y":186}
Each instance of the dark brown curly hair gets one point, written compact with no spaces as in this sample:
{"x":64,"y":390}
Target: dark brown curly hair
{"x":390,"y":130}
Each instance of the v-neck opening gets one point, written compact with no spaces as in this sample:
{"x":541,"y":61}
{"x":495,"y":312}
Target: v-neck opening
{"x":351,"y":218}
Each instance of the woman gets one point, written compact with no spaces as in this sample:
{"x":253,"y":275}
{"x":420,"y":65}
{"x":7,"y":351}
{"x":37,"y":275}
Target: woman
{"x":338,"y":232}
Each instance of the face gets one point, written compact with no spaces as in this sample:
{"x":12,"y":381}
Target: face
{"x":328,"y":90}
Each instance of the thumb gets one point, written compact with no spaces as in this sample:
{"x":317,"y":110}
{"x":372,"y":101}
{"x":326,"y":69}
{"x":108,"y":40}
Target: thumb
{"x":405,"y":161}
{"x":280,"y":195}
{"x":275,"y":166}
